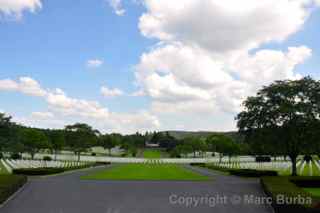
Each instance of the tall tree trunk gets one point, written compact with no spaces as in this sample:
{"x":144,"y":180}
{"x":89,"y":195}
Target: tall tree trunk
{"x":293,"y":159}
{"x":55,"y":154}
{"x":79,"y":156}
{"x":220,"y":158}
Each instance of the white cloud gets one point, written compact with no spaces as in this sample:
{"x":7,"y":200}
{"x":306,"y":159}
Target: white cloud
{"x":206,"y":64}
{"x":42,"y":115}
{"x":15,"y":8}
{"x":63,"y":110}
{"x":116,"y":5}
{"x":25,"y":85}
{"x":108,"y":92}
{"x":138,"y":93}
{"x":94,"y":63}
{"x":223,"y":25}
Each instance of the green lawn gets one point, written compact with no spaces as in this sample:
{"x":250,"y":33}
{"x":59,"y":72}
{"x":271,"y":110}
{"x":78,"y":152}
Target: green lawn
{"x":147,"y":172}
{"x":151,"y":154}
{"x":3,"y":170}
{"x":313,"y":191}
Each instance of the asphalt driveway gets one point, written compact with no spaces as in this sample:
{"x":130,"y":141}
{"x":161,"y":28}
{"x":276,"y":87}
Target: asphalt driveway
{"x":68,"y":194}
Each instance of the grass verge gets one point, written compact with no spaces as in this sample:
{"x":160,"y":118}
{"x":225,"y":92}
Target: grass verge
{"x":295,"y":197}
{"x":9,"y":184}
{"x":147,"y":172}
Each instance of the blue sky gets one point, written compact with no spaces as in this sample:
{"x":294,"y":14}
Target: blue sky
{"x":53,"y":44}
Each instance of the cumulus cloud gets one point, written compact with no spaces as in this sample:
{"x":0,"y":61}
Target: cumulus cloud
{"x":63,"y":110}
{"x":209,"y":63}
{"x":116,"y":5}
{"x":223,"y":25}
{"x":25,"y":85}
{"x":111,"y":92}
{"x":94,"y":63}
{"x":15,"y":8}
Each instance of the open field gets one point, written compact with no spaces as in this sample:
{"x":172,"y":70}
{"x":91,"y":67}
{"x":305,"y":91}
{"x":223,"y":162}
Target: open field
{"x":152,"y":154}
{"x":147,"y":172}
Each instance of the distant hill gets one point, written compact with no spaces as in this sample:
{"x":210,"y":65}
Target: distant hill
{"x":184,"y":134}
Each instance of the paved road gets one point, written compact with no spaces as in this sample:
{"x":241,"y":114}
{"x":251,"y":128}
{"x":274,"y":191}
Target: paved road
{"x":68,"y":194}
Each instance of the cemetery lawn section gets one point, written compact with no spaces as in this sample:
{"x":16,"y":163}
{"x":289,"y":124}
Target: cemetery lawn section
{"x":313,"y":191}
{"x":155,"y":172}
{"x":151,"y":154}
{"x":3,"y":170}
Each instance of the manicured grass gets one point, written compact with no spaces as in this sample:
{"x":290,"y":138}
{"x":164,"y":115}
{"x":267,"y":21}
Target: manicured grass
{"x":3,"y":170}
{"x":313,"y":191}
{"x":151,"y":154}
{"x":147,"y":172}
{"x":290,"y":187}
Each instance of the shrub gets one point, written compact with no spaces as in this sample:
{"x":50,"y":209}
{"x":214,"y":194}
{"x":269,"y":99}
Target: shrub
{"x":98,"y":163}
{"x":252,"y":173}
{"x":198,"y":164}
{"x":38,"y":171}
{"x":263,"y":159}
{"x":240,"y":172}
{"x":15,"y":156}
{"x":9,"y":184}
{"x":284,"y":186}
{"x":306,"y":182}
{"x":47,"y":158}
{"x":307,"y":158}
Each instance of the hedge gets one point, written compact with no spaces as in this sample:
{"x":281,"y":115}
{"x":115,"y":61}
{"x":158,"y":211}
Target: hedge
{"x":9,"y":184}
{"x":239,"y":172}
{"x":285,"y":186}
{"x":38,"y":171}
{"x":252,"y":173}
{"x":50,"y":171}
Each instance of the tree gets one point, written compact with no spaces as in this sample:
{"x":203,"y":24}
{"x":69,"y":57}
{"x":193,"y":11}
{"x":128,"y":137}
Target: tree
{"x":222,"y":144}
{"x":80,"y":137}
{"x":286,"y":114}
{"x":194,"y":143}
{"x":33,"y":140}
{"x":108,"y":142}
{"x":57,"y":141}
{"x":6,"y":128}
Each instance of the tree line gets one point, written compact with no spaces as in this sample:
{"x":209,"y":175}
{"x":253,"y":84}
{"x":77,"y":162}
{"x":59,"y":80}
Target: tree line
{"x":80,"y":137}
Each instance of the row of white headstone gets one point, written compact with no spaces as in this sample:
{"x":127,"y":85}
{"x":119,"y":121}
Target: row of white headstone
{"x":9,"y":165}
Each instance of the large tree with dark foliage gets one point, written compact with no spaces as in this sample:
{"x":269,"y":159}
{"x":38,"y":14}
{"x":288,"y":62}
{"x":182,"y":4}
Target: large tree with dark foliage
{"x":285,"y":116}
{"x":6,"y":127}
{"x":56,"y":141}
{"x":33,"y":140}
{"x":79,"y":137}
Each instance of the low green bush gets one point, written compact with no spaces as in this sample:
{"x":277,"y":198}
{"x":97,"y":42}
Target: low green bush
{"x":47,"y":158}
{"x":38,"y":171}
{"x":9,"y":184}
{"x":263,"y":159}
{"x":100,"y":163}
{"x":198,"y":164}
{"x":240,"y":172}
{"x":306,"y":182}
{"x":252,"y":173}
{"x":15,"y":156}
{"x":286,"y":187}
